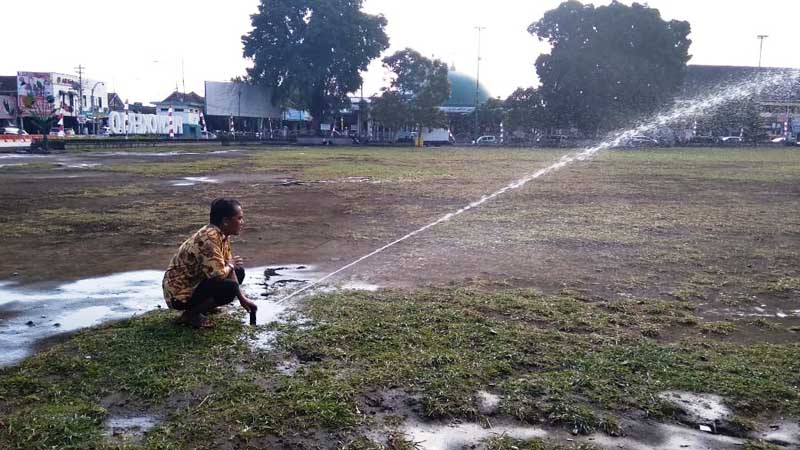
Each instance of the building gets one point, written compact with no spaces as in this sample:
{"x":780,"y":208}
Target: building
{"x":80,"y":100}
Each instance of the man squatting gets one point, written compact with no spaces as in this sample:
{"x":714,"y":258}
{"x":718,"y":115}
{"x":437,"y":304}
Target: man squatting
{"x":203,"y":275}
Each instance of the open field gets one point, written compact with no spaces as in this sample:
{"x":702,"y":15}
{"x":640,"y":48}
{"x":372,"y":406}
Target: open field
{"x":579,"y":301}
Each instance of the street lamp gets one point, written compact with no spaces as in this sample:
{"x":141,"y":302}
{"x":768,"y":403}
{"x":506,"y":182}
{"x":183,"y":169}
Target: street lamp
{"x":478,"y":82}
{"x":91,"y":103}
{"x":761,"y":38}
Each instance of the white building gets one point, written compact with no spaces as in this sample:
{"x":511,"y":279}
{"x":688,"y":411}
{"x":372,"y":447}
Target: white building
{"x":72,"y":94}
{"x":186,"y":106}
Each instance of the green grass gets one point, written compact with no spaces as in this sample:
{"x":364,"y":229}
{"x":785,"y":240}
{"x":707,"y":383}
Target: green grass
{"x":136,"y":218}
{"x":557,"y":360}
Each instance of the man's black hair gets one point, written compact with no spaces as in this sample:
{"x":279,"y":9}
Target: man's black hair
{"x":223,"y":208}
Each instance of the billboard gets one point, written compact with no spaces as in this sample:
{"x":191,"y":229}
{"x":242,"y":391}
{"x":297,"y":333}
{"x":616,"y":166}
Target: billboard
{"x":239,"y":100}
{"x":33,"y":88}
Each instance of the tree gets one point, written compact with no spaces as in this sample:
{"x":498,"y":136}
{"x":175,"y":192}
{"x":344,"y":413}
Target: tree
{"x":418,"y":89}
{"x":525,"y":110}
{"x":390,"y":110}
{"x":609,"y":65}
{"x":311,"y":52}
{"x":490,"y":114}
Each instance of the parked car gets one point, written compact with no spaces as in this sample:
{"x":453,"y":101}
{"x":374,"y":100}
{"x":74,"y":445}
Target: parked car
{"x":702,"y":140}
{"x":207,"y":135}
{"x":642,"y":141}
{"x":13,"y":130}
{"x":552,"y":140}
{"x":56,"y":132}
{"x":731,"y":139}
{"x":779,"y":140}
{"x":487,"y":140}
{"x":406,"y":136}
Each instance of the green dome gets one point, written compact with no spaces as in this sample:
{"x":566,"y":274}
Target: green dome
{"x":462,"y":90}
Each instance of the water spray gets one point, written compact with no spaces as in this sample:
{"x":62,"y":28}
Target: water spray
{"x":698,"y":106}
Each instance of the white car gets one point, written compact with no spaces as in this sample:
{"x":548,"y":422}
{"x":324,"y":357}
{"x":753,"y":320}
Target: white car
{"x":13,"y":130}
{"x":486,"y":140}
{"x":779,"y":140}
{"x":731,"y":139}
{"x":642,"y":141}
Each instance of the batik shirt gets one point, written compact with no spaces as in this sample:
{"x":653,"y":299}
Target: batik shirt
{"x":202,"y":256}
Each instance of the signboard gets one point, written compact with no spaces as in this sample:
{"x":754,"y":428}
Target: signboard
{"x":33,"y":89}
{"x":142,"y":123}
{"x":239,"y":100}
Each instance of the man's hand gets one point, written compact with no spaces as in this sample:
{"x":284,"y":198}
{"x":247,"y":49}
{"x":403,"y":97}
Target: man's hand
{"x":248,"y":305}
{"x":238,"y":262}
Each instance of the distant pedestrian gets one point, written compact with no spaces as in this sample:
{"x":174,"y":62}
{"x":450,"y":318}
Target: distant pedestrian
{"x":203,"y":274}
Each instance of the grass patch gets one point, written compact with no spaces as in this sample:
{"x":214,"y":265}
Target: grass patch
{"x":136,"y":218}
{"x":557,"y":360}
{"x":507,"y":443}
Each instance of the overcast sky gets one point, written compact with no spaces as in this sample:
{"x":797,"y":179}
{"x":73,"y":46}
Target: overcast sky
{"x":143,"y":49}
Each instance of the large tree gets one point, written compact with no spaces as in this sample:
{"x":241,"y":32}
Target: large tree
{"x":525,"y":110}
{"x":609,"y":65}
{"x":311,"y":52}
{"x":418,"y":88}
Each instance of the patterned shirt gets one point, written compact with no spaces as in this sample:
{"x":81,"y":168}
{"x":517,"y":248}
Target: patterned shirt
{"x":204,"y":255}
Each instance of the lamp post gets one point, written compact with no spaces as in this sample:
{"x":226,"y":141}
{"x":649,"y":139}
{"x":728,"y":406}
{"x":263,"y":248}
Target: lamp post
{"x":478,"y":82}
{"x":91,"y":103}
{"x":761,"y":38}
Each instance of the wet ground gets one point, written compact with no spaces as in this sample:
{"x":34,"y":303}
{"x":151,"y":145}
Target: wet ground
{"x":39,"y":313}
{"x":90,"y":234}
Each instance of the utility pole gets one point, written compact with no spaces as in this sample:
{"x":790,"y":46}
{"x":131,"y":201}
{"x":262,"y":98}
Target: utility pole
{"x":80,"y":70}
{"x":761,"y":38}
{"x":478,"y":81}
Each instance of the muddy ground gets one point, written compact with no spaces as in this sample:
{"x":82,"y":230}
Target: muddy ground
{"x":718,"y":229}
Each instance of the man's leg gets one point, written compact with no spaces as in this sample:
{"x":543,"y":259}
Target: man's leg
{"x":209,"y":294}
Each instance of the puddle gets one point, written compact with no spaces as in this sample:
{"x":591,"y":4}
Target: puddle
{"x":264,"y":340}
{"x":76,"y":165}
{"x":783,"y":433}
{"x":488,"y":402}
{"x":85,"y":317}
{"x":40,"y":311}
{"x":289,"y":366}
{"x":192,"y":181}
{"x":457,"y":436}
{"x":665,"y":437}
{"x":701,"y":408}
{"x":130,"y":427}
{"x":230,"y":178}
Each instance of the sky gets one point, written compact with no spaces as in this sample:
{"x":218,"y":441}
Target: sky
{"x":145,"y":49}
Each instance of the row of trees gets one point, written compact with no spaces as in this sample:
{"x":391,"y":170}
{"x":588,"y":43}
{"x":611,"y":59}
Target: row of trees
{"x":608,"y":64}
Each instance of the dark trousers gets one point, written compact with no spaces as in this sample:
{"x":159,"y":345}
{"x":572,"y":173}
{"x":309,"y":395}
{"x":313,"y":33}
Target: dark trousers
{"x":222,"y":291}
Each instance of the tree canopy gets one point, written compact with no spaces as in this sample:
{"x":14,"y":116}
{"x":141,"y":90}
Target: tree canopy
{"x":311,"y":52}
{"x":418,"y":89}
{"x":609,"y":64}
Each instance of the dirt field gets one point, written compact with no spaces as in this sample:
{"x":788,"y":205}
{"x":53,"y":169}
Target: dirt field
{"x":715,"y":229}
{"x":718,"y":227}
